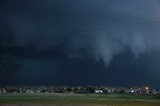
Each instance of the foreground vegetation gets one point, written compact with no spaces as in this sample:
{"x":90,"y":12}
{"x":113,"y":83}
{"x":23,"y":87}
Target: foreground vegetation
{"x":80,"y":99}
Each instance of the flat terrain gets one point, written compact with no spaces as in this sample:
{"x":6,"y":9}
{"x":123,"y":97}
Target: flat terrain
{"x":54,"y":99}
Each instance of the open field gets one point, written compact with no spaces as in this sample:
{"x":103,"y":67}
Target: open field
{"x":54,"y":99}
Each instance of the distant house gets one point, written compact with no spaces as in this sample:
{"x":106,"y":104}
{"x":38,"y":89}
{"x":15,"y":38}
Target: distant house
{"x":2,"y":90}
{"x":37,"y":91}
{"x":98,"y":91}
{"x":136,"y":90}
{"x":155,"y":91}
{"x":29,"y":91}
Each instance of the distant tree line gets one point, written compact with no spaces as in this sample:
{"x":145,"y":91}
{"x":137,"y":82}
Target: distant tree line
{"x":78,"y":89}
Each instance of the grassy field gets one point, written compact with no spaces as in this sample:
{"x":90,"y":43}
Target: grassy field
{"x":81,"y":99}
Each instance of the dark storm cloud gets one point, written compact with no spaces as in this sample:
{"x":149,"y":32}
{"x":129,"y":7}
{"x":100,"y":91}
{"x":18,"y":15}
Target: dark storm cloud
{"x":45,"y":24}
{"x":79,"y":30}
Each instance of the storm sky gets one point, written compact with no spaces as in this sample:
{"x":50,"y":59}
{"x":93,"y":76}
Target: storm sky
{"x":80,"y":42}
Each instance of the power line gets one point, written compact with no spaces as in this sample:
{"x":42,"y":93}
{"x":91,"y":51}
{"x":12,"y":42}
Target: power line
{"x":104,"y":28}
{"x":107,"y":27}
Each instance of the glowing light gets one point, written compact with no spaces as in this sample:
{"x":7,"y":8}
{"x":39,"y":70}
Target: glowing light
{"x":147,"y":88}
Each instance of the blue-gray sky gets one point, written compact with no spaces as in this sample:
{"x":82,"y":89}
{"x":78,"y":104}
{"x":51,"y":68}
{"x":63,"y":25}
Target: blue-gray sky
{"x":85,"y":42}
